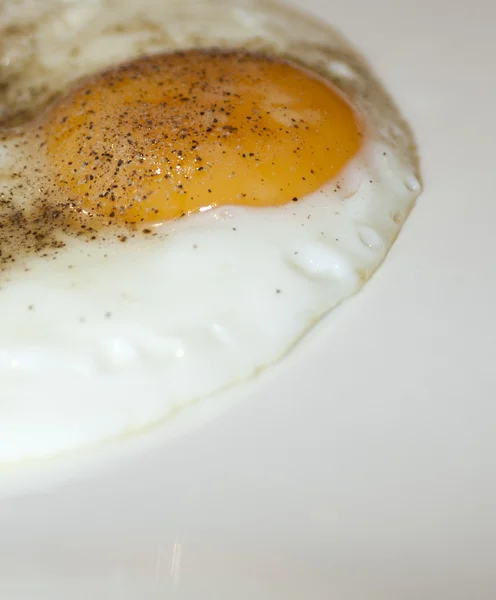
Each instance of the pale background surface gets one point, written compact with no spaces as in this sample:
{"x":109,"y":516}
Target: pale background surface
{"x":363,"y":467}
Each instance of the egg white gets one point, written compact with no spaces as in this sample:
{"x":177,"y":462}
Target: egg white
{"x":111,"y":337}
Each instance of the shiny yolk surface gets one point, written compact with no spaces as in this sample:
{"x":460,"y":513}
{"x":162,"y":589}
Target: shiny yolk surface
{"x":173,"y":134}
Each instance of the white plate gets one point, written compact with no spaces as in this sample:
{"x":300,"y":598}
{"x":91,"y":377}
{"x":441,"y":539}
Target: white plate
{"x":361,"y":468}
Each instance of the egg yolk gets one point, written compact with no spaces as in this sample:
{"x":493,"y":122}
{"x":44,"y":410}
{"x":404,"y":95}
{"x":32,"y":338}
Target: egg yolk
{"x":173,"y":134}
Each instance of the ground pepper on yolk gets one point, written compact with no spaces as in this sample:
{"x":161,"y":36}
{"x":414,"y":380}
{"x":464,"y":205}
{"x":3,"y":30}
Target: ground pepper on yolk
{"x":173,"y":134}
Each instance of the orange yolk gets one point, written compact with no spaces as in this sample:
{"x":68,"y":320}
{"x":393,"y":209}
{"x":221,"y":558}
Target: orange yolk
{"x":173,"y":134}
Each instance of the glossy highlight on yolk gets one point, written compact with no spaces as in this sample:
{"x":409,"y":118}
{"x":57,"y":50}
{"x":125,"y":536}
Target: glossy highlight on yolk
{"x":169,"y":135}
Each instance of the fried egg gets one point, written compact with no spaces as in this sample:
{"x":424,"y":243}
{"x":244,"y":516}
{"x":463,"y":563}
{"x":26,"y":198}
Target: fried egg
{"x":186,"y":188}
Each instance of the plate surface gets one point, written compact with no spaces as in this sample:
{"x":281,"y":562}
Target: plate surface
{"x":363,"y":466}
